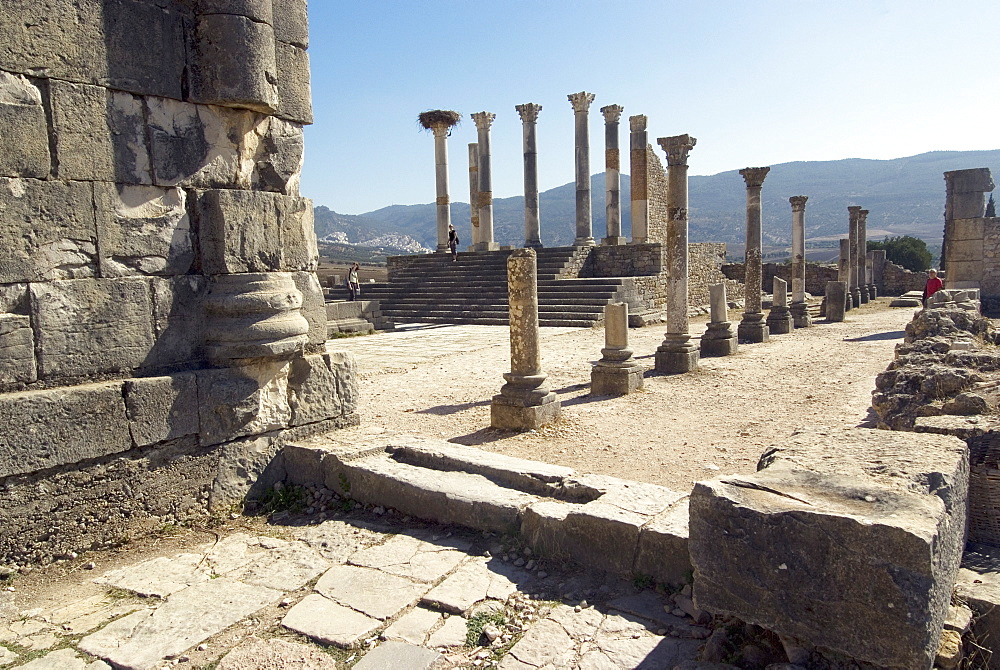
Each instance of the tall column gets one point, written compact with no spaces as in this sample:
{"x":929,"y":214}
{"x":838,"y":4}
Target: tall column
{"x":483,"y":122}
{"x":638,"y":160}
{"x":844,"y":271}
{"x":677,"y":353}
{"x":581,"y":108}
{"x":616,"y":373}
{"x":854,"y":214}
{"x":799,"y":309}
{"x":612,"y":175}
{"x":524,"y":402}
{"x":862,"y":252}
{"x":441,"y":133}
{"x":474,"y":193}
{"x":532,"y":228}
{"x":752,"y":327}
{"x":719,"y":338}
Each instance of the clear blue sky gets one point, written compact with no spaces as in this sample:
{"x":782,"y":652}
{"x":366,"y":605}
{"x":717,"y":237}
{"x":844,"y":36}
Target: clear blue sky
{"x":758,"y":82}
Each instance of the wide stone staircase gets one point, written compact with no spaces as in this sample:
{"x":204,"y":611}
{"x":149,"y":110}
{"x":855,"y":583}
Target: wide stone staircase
{"x":473,"y":289}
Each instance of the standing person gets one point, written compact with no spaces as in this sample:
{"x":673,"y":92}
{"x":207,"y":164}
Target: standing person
{"x":353,"y":283}
{"x":933,"y":285}
{"x":453,"y":242}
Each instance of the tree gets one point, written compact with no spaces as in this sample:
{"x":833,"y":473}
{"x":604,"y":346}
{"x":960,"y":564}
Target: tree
{"x":905,"y":251}
{"x":991,"y":207}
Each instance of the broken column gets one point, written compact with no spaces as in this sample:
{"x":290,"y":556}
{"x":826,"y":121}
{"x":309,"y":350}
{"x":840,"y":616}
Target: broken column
{"x":753,"y":328}
{"x":836,"y":300}
{"x":440,"y":122}
{"x":612,"y":175}
{"x":799,"y":308}
{"x":719,"y":338}
{"x":483,"y":122}
{"x":639,"y":188}
{"x":854,"y":214}
{"x":844,"y":271}
{"x":870,"y":275}
{"x":524,"y":402}
{"x":779,"y":319}
{"x":616,"y":373}
{"x":862,"y":253}
{"x":965,"y":231}
{"x":581,"y":108}
{"x":532,"y":227}
{"x":677,"y":353}
{"x":474,"y":194}
{"x":878,"y":269}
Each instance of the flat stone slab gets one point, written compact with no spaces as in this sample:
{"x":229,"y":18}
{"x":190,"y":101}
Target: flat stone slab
{"x":412,"y":558}
{"x":413,"y":627}
{"x":287,"y":567}
{"x":906,"y":302}
{"x":378,"y":594}
{"x":159,"y":577}
{"x":452,"y":634}
{"x":471,"y":583}
{"x":63,"y":659}
{"x":325,"y":621}
{"x":143,"y":639}
{"x":398,"y":656}
{"x":275,"y":654}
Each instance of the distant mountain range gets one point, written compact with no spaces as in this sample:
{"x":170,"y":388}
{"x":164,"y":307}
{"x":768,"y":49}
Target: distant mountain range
{"x":905,"y":197}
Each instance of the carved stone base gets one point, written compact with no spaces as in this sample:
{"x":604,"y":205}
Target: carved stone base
{"x":614,"y":241}
{"x":676,"y":355}
{"x":800,"y":315}
{"x":856,"y":297}
{"x":864,"y":294}
{"x":872,"y":292}
{"x":485,"y":246}
{"x":533,"y":244}
{"x":506,"y":414}
{"x":779,"y":320}
{"x":753,"y":329}
{"x":608,"y":379}
{"x":584,"y":242}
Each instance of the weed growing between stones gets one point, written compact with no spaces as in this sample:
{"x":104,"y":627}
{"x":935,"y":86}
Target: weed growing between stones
{"x":280,"y":498}
{"x":478,"y":622}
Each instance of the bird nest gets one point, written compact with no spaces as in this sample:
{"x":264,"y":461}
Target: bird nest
{"x":438,"y":117}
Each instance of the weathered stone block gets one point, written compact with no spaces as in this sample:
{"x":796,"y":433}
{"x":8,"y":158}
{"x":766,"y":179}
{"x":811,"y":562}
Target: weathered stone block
{"x":146,"y":47}
{"x":54,"y":38}
{"x":277,"y":162}
{"x":44,"y":429}
{"x":234,"y":63}
{"x":17,"y":349}
{"x":258,"y":10}
{"x":14,"y":298}
{"x":316,"y":385}
{"x":161,"y":408}
{"x":291,"y":23}
{"x":299,"y":250}
{"x":663,"y":547}
{"x":294,"y":91}
{"x":178,"y":320}
{"x":22,"y":123}
{"x":89,"y":326}
{"x":966,"y":229}
{"x":142,"y":230}
{"x":313,"y":305}
{"x":47,"y":230}
{"x":237,"y":402}
{"x":849,"y":540}
{"x":247,"y":467}
{"x":239,"y":231}
{"x":965,"y":250}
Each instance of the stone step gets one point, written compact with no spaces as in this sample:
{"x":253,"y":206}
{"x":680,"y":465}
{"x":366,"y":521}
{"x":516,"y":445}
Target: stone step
{"x":565,"y":320}
{"x":349,"y":326}
{"x":629,"y":528}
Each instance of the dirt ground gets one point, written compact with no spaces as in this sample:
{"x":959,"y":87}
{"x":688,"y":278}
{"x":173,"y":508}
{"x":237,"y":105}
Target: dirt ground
{"x":679,"y":429}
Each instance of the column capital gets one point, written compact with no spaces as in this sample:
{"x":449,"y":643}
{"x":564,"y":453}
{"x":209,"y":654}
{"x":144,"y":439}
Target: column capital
{"x":798,"y":202}
{"x":441,"y":130}
{"x":677,"y":148}
{"x":754,"y":176}
{"x":637,"y":123}
{"x":483,"y":120}
{"x":612,"y":113}
{"x":854,"y":212}
{"x":581,"y":101}
{"x":862,"y":214}
{"x":528,"y":111}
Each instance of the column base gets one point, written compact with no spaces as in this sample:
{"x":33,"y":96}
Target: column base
{"x":443,"y":249}
{"x":779,"y":320}
{"x":864,"y":295}
{"x":533,"y":244}
{"x":753,"y":329}
{"x":676,"y":355}
{"x":800,"y":315}
{"x":615,"y":241}
{"x":485,"y":246}
{"x":584,"y":242}
{"x":507,"y":414}
{"x":719,"y":340}
{"x":872,"y":292}
{"x":615,"y":379}
{"x":856,"y":297}
{"x":639,"y":240}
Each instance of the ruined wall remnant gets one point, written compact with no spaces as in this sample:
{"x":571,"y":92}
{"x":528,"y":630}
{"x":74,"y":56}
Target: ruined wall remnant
{"x":162,"y":328}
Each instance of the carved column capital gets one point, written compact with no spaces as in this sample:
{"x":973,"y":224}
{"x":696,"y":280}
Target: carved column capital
{"x":854,"y":212}
{"x":612,"y":113}
{"x":798,"y":202}
{"x":754,"y":177}
{"x":637,"y":123}
{"x":483,"y":120}
{"x":581,"y":101}
{"x":528,"y":111}
{"x":441,"y":130}
{"x":677,"y":148}
{"x":862,"y":215}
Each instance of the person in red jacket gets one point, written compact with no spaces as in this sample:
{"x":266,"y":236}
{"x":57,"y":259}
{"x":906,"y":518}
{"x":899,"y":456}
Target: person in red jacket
{"x":933,"y":285}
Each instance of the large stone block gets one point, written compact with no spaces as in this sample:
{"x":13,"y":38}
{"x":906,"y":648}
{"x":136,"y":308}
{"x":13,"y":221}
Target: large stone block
{"x":291,"y":23}
{"x":47,"y":230}
{"x":965,"y":250}
{"x":239,"y":231}
{"x":234,"y":63}
{"x":53,"y":38}
{"x":91,"y":326}
{"x":320,"y":387}
{"x":244,"y":401}
{"x":294,"y":91}
{"x":142,"y":230}
{"x":313,"y":305}
{"x":276,"y":164}
{"x":23,"y":125}
{"x":965,"y":229}
{"x":161,"y":408}
{"x":17,"y":350}
{"x":258,"y":10}
{"x":14,"y":298}
{"x":299,"y":250}
{"x":847,"y":540}
{"x":147,"y":47}
{"x":45,"y":429}
{"x":178,"y":321}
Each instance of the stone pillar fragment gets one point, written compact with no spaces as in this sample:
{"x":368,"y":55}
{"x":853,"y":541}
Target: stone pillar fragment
{"x":616,"y":373}
{"x":799,"y":308}
{"x":862,"y":254}
{"x":612,"y":174}
{"x":779,"y":319}
{"x":836,"y":300}
{"x":532,"y":229}
{"x":854,"y":215}
{"x":870,"y":274}
{"x":753,"y":328}
{"x":677,"y":353}
{"x":639,"y":187}
{"x":474,"y":193}
{"x":485,"y":201}
{"x":878,"y":269}
{"x":719,"y":339}
{"x":525,"y":401}
{"x":581,"y":108}
{"x":441,"y":180}
{"x":844,"y":271}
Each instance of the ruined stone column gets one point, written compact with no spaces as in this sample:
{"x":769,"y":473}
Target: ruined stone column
{"x":677,"y":353}
{"x":532,"y":227}
{"x":483,"y":122}
{"x":779,"y":319}
{"x":854,"y":287}
{"x":581,"y":107}
{"x":638,"y":141}
{"x":799,"y":309}
{"x":612,"y":175}
{"x":878,"y":269}
{"x":844,"y":270}
{"x":862,"y":252}
{"x":474,"y":194}
{"x":719,"y":339}
{"x":837,"y":299}
{"x":616,"y":373}
{"x":524,"y":402}
{"x":870,"y":274}
{"x":753,"y":328}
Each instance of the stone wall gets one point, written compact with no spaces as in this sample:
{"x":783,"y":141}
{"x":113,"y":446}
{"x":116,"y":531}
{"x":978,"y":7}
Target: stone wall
{"x":816,"y":275}
{"x":159,"y":307}
{"x":656,"y":180}
{"x":898,"y":280}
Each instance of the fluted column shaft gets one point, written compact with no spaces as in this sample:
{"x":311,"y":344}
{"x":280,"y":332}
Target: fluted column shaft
{"x":532,"y":227}
{"x":862,"y":252}
{"x":799,"y":309}
{"x":441,"y":172}
{"x":854,"y":213}
{"x":474,"y":193}
{"x":844,"y":269}
{"x":752,"y":327}
{"x":612,"y":175}
{"x":484,"y":120}
{"x":638,"y":140}
{"x":581,"y":109}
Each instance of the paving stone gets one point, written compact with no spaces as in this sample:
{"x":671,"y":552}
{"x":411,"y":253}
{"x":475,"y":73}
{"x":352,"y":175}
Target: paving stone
{"x":285,"y":568}
{"x":7,"y":656}
{"x":648,"y":605}
{"x":142,"y":639}
{"x":376,"y":593}
{"x":471,"y":583}
{"x":327,"y":622}
{"x":413,"y":626}
{"x":159,"y":577}
{"x":577,"y":624}
{"x":452,"y":634}
{"x":410,"y":557}
{"x":87,"y":614}
{"x":64,"y":659}
{"x":398,"y":656}
{"x":16,"y":630}
{"x":275,"y":654}
{"x":337,"y":540}
{"x":646,"y":651}
{"x":545,"y":644}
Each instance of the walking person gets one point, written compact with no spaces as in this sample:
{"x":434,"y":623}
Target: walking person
{"x":453,"y":242}
{"x":933,"y":285}
{"x":353,"y":283}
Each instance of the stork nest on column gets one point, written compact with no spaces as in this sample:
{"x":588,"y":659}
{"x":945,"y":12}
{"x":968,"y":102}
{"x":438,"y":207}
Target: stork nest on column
{"x":438,"y":117}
